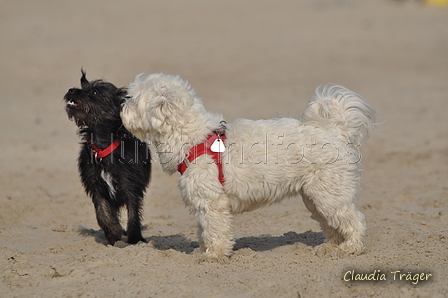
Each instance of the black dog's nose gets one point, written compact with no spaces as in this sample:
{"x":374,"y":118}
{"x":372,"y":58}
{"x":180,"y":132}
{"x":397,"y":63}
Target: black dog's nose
{"x":72,"y":90}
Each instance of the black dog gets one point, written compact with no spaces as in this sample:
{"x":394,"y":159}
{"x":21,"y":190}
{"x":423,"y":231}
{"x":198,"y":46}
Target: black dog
{"x":115,"y":167}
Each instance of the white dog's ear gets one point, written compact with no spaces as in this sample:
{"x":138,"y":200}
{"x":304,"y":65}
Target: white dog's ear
{"x":172,"y":96}
{"x":159,"y":99}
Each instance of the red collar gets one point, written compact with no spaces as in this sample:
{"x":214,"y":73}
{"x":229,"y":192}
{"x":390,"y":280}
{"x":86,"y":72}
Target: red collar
{"x":100,"y":153}
{"x":204,"y":148}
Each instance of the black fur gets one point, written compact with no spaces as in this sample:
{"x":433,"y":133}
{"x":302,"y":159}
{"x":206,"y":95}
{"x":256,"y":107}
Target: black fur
{"x":119,"y":179}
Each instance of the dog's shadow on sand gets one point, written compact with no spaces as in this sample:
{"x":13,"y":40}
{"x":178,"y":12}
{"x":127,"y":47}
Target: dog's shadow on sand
{"x":264,"y":243}
{"x":176,"y":242}
{"x":97,"y":234}
{"x":181,"y":244}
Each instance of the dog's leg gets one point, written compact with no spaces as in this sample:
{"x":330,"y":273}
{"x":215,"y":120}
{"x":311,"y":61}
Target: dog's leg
{"x":204,"y":195}
{"x":199,"y":233}
{"x":333,"y":238}
{"x":214,"y":221}
{"x":107,"y":217}
{"x":134,"y":232}
{"x":215,"y":235}
{"x":352,"y":227}
{"x":340,"y":220}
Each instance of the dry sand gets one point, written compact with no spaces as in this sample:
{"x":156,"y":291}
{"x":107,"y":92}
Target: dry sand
{"x":252,"y":59}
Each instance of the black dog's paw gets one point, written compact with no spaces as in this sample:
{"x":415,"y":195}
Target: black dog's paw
{"x":121,"y":244}
{"x":135,"y":240}
{"x":112,"y":239}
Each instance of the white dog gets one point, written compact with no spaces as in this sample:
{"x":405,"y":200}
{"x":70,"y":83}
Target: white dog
{"x":245,"y":164}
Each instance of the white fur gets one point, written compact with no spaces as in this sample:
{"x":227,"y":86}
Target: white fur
{"x":109,"y":181}
{"x":265,"y":160}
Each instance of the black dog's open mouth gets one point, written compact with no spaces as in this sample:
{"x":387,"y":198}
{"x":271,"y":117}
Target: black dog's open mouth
{"x":71,"y":103}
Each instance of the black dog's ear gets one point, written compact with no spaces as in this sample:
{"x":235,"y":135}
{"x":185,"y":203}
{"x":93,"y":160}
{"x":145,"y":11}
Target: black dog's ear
{"x":122,"y":92}
{"x":121,"y":95}
{"x":84,"y":81}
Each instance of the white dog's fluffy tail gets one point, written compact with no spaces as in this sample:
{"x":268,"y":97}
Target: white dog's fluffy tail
{"x":336,"y":105}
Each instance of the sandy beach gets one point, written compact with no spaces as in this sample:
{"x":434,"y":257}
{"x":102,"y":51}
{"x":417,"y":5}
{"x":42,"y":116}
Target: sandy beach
{"x":245,"y":59}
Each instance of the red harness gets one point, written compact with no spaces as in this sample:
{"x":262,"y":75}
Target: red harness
{"x":100,"y":153}
{"x":204,"y":148}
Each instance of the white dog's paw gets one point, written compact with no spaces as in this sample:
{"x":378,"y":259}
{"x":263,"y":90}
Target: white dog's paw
{"x":340,"y":251}
{"x":212,"y":258}
{"x":197,"y":251}
{"x":325,"y":248}
{"x":347,"y":249}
